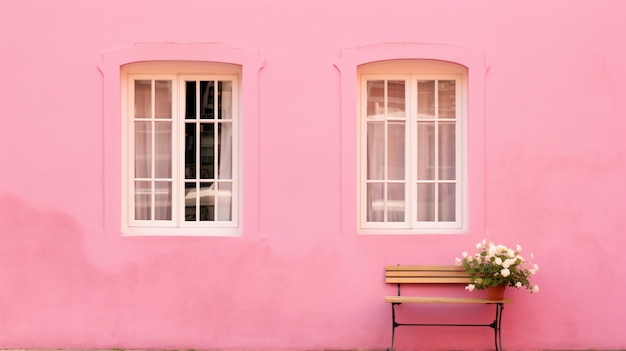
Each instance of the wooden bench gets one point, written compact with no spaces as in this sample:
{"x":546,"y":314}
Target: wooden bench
{"x":455,"y":275}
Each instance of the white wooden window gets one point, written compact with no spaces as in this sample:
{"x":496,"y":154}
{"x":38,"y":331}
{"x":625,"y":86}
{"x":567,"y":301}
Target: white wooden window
{"x":181,"y":148}
{"x":412,"y":147}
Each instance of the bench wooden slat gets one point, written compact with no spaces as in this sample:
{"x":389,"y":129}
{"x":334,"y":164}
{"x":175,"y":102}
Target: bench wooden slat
{"x":430,"y":280}
{"x":455,"y":300}
{"x":424,"y":268}
{"x":426,"y":275}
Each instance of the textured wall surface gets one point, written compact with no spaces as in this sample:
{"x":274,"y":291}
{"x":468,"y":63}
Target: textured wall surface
{"x":300,"y":277}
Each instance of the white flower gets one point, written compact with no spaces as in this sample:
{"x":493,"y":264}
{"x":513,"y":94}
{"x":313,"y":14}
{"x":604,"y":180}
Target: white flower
{"x":492,"y":250}
{"x":458,"y":262}
{"x":470,"y":287}
{"x":464,"y":254}
{"x":508,"y":263}
{"x":501,"y":249}
{"x":518,"y":248}
{"x":505,"y":272}
{"x":535,"y":289}
{"x":511,"y":254}
{"x":518,"y":285}
{"x":534,"y":270}
{"x":499,"y":261}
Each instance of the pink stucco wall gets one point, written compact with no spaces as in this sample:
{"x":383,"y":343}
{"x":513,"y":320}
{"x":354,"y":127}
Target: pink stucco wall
{"x":553,"y":167}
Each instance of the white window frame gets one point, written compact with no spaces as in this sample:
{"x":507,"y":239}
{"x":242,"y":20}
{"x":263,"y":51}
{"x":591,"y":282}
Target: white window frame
{"x":411,"y":71}
{"x":177,"y":72}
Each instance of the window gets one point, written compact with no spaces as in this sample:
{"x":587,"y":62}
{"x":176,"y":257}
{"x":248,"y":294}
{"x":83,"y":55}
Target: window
{"x":412,"y":146}
{"x":180,"y":133}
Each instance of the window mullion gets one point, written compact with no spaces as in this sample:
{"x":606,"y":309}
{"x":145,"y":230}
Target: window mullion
{"x":174,"y":146}
{"x":153,"y":149}
{"x":198,"y":140}
{"x":386,"y":151}
{"x":436,"y":147}
{"x":216,"y":155}
{"x":411,"y":191}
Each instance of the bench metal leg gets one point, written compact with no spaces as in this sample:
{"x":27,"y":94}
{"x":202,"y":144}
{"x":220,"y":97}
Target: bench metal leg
{"x":394,"y":324}
{"x":497,"y":326}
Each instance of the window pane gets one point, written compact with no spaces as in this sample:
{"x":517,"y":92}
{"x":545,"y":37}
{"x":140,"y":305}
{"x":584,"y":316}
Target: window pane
{"x":207,"y":201}
{"x":143,"y":200}
{"x":225,"y":150}
{"x":395,"y":98}
{"x":143,"y":149}
{"x":207,"y":99}
{"x":447,"y":202}
{"x":225,"y":99}
{"x":375,"y":202}
{"x":425,"y":99}
{"x":190,"y":99}
{"x":163,"y":201}
{"x":190,"y":151}
{"x":224,"y":201}
{"x":395,"y":150}
{"x":207,"y":151}
{"x":447,"y":151}
{"x":143,"y":101}
{"x":447,"y":99}
{"x":426,"y":150}
{"x":375,"y":150}
{"x":375,"y":97}
{"x":426,"y":202}
{"x":191,"y":195}
{"x":163,"y":149}
{"x":395,"y":203}
{"x":163,"y":99}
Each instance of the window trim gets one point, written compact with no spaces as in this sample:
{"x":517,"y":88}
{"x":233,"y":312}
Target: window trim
{"x":411,"y":71}
{"x":163,"y":71}
{"x":474,"y":61}
{"x":159,"y":54}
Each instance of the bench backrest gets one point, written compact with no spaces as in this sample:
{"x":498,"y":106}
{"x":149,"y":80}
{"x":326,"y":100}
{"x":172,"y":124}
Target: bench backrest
{"x":426,"y":275}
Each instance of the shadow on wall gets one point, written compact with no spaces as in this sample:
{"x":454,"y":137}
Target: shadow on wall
{"x":42,"y":271}
{"x":55,"y":295}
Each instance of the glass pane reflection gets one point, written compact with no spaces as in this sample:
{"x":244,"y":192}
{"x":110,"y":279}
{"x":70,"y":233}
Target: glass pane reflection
{"x":163,"y":201}
{"x":425,"y":99}
{"x":375,"y":97}
{"x":426,"y":202}
{"x":395,"y":98}
{"x":190,"y":202}
{"x":447,"y":202}
{"x":143,"y":99}
{"x":224,"y":201}
{"x":447,"y":98}
{"x":207,"y":151}
{"x":143,"y":149}
{"x":190,"y":99}
{"x":163,"y":99}
{"x":395,"y":203}
{"x":375,"y":202}
{"x":207,"y":99}
{"x":143,"y":200}
{"x":225,"y":99}
{"x":207,"y":201}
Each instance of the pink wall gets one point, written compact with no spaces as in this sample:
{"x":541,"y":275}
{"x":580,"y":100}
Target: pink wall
{"x":300,"y":277}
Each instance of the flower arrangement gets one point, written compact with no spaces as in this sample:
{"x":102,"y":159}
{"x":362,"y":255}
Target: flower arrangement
{"x":497,"y":265}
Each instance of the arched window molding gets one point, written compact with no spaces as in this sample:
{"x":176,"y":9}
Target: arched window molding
{"x":348,"y":64}
{"x":111,"y":68}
